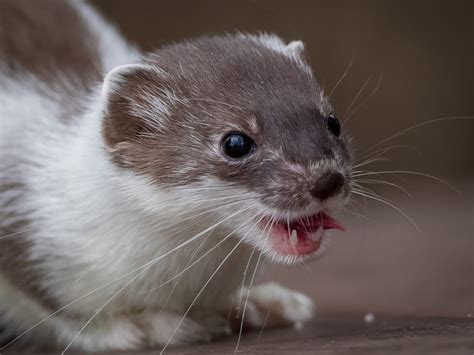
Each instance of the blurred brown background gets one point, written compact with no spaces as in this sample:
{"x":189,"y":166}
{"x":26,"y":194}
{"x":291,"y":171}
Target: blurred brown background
{"x":423,"y":54}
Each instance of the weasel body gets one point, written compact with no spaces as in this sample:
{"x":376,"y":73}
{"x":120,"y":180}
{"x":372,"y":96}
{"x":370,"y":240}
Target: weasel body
{"x":136,"y":190}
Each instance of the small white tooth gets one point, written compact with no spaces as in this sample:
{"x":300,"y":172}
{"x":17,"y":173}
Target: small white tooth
{"x":294,"y":237}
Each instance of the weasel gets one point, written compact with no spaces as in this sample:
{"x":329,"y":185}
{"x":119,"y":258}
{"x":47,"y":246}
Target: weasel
{"x":139,"y":191}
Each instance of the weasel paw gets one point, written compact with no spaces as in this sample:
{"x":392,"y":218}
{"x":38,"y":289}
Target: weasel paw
{"x":273,"y":305}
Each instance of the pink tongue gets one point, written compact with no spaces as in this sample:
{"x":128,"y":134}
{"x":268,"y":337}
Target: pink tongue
{"x":313,"y":223}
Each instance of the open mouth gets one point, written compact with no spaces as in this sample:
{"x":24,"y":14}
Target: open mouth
{"x":302,"y":236}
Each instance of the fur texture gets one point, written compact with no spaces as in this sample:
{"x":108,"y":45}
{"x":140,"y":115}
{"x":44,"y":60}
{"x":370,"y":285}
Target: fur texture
{"x":123,"y":226}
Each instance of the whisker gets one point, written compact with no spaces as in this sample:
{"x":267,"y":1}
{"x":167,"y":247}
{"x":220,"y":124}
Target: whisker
{"x":383,"y":182}
{"x":363,"y":102}
{"x":214,"y":208}
{"x":358,"y":187}
{"x":244,"y":277}
{"x":100,"y":310}
{"x":144,"y":266}
{"x":244,"y":274}
{"x":267,"y":315}
{"x":358,"y":203}
{"x":187,"y":266}
{"x":116,"y":294}
{"x":410,"y":173}
{"x":356,"y":97}
{"x":202,"y":290}
{"x":250,"y":288}
{"x":389,"y":204}
{"x":19,"y":233}
{"x":419,"y":125}
{"x":370,"y":161}
{"x":200,"y":258}
{"x":357,"y":214}
{"x":342,"y":77}
{"x":381,"y":151}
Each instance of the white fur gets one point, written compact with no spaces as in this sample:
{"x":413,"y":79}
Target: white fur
{"x":297,"y":47}
{"x":114,"y":50}
{"x":272,"y":305}
{"x":155,"y":102}
{"x":103,"y":223}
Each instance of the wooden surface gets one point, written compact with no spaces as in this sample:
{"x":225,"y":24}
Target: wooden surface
{"x":351,"y":335}
{"x":348,"y":334}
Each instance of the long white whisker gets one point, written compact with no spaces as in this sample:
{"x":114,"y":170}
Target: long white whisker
{"x":244,"y":274}
{"x":383,"y":182}
{"x":250,"y":288}
{"x":108,"y":302}
{"x":381,"y":151}
{"x":363,"y":102}
{"x":179,"y":276}
{"x":370,"y":161}
{"x":342,"y":77}
{"x":357,"y":214}
{"x":214,"y":208}
{"x":356,"y":97}
{"x":199,"y":259}
{"x":418,"y":125}
{"x":391,"y":205}
{"x":100,"y":310}
{"x":409,"y":173}
{"x":146,"y":265}
{"x":268,"y":313}
{"x":365,"y":189}
{"x":202,"y":290}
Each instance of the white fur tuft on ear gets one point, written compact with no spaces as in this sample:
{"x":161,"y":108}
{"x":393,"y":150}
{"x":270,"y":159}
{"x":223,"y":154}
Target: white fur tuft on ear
{"x":115,"y":79}
{"x":295,"y":47}
{"x":292,"y":50}
{"x":135,"y":96}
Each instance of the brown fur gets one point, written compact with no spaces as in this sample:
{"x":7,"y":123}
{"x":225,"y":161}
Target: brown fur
{"x":225,"y":84}
{"x":49,"y":40}
{"x":15,"y":262}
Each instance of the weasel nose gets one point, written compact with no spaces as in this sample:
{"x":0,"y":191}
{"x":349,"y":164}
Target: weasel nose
{"x":328,"y":185}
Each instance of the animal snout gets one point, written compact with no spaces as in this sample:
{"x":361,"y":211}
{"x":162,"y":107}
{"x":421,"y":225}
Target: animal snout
{"x":328,"y":185}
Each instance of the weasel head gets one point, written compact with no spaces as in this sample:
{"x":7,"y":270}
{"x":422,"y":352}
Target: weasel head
{"x":237,"y":128}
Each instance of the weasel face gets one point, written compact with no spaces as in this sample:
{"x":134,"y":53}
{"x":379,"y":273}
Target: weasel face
{"x":241,"y":124}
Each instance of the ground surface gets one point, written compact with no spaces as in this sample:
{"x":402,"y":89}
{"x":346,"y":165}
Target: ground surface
{"x":342,"y":334}
{"x":349,"y":334}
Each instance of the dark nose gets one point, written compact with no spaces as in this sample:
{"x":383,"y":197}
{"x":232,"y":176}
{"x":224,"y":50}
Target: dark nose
{"x":328,"y":185}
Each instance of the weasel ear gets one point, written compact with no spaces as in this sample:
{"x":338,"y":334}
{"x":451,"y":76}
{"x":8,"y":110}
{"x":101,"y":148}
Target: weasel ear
{"x":125,"y":75}
{"x":295,"y":47}
{"x":136,"y":100}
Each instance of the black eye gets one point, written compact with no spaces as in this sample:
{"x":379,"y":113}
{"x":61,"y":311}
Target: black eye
{"x":237,"y":145}
{"x":334,"y":126}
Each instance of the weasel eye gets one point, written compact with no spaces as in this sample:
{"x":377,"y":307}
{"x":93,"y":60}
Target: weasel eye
{"x":334,"y":125}
{"x":237,"y":145}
